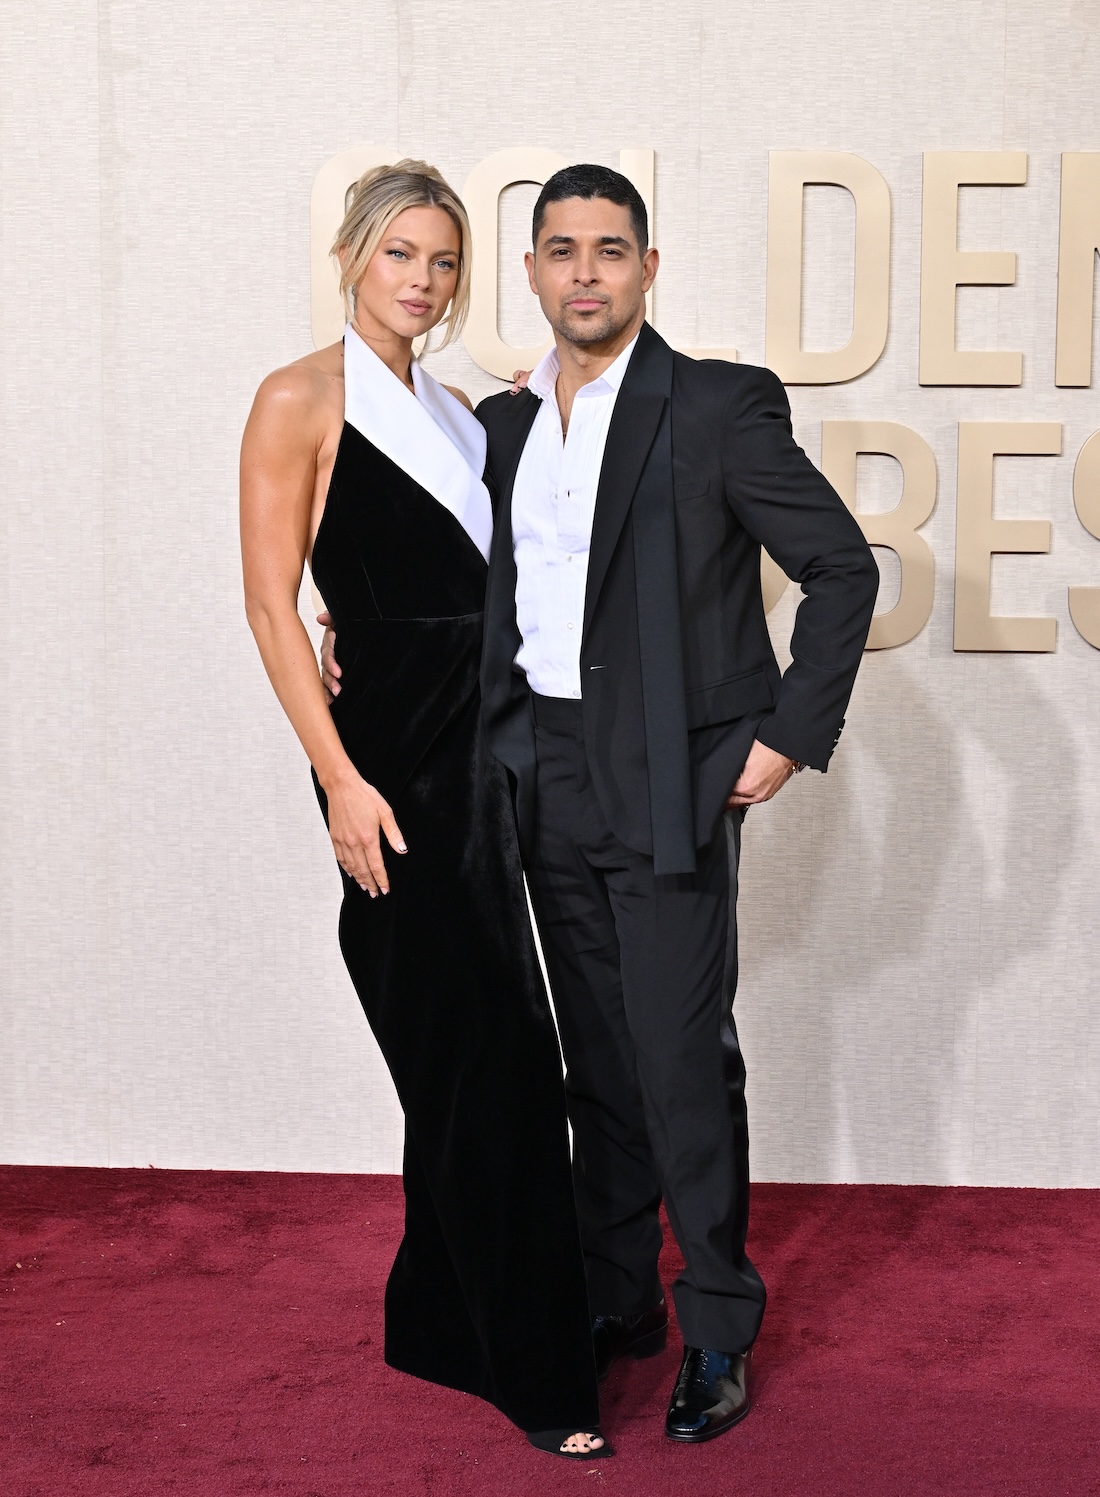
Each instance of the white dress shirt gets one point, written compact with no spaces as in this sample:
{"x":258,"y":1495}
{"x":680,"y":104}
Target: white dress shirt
{"x":553,"y":500}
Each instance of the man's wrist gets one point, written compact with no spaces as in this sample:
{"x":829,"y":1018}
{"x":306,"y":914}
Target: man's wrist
{"x":764,"y":737}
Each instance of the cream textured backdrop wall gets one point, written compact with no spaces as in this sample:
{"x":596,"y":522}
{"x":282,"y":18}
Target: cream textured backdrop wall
{"x":920,"y":939}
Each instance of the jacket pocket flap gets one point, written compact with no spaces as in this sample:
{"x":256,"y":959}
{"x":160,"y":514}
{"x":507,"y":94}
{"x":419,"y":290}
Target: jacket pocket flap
{"x":724,"y":700}
{"x":685,"y":493}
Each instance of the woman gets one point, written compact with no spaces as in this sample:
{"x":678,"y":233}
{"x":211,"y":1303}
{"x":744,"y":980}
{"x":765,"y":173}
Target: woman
{"x":357,"y":461}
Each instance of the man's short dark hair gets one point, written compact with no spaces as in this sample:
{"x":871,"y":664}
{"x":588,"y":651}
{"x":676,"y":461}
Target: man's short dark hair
{"x":589,"y":181}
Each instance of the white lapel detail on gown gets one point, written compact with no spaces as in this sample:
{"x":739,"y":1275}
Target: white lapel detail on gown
{"x":431,"y":435}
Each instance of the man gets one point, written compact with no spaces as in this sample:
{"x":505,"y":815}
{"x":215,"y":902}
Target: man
{"x":630,"y":688}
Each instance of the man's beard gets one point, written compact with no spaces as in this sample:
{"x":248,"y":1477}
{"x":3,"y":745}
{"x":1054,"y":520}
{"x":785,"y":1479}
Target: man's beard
{"x":598,"y":327}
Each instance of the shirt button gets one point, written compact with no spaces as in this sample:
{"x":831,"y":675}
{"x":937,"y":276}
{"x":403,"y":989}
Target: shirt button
{"x":569,"y":626}
{"x":576,"y":693}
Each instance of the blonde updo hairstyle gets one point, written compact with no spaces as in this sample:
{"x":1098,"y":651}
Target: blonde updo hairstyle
{"x":374,"y":202}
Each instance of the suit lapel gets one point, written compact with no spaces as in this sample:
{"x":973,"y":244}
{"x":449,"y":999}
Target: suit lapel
{"x":629,"y":439}
{"x":637,"y":477}
{"x":641,"y":402}
{"x":505,"y":451}
{"x":508,"y":445}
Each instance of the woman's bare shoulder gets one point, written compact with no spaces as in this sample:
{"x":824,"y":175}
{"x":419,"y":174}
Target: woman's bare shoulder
{"x":306,"y":388}
{"x":459,"y":395}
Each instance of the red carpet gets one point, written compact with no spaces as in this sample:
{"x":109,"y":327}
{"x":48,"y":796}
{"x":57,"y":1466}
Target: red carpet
{"x":210,"y":1333}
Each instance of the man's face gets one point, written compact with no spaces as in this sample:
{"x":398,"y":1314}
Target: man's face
{"x":587,"y":271}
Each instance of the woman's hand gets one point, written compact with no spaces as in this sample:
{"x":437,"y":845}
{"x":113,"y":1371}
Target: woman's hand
{"x":520,"y":377}
{"x":358,"y":817}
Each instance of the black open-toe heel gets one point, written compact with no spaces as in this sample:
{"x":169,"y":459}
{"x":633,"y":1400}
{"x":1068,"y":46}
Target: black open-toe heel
{"x":551,"y":1440}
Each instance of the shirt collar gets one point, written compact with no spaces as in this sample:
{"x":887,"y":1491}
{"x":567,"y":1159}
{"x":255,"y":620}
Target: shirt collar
{"x":544,"y":375}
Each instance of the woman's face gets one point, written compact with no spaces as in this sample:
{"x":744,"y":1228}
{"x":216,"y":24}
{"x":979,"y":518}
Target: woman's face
{"x":411,"y":276}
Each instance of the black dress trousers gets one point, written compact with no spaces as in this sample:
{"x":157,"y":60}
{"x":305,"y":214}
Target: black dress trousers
{"x":643,"y":971}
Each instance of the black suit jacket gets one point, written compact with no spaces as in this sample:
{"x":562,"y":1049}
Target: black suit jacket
{"x":677,"y":670}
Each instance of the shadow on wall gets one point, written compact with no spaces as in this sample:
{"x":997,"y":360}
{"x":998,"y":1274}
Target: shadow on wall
{"x":888,"y":915}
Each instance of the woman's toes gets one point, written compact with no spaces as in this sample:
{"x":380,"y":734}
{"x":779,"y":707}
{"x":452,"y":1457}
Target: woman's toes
{"x":581,"y":1443}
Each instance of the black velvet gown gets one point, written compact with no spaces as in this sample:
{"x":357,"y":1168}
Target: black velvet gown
{"x":487,"y":1293}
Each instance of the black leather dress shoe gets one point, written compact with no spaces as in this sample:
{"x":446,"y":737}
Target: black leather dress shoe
{"x":711,"y":1394}
{"x":640,"y":1335}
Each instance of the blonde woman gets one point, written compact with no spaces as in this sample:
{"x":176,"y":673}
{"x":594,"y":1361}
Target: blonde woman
{"x":356,"y":461}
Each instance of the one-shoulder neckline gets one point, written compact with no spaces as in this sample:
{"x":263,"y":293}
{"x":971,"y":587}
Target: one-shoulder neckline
{"x":428,"y":433}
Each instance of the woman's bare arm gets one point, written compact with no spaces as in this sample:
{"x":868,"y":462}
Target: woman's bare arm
{"x":278,"y":475}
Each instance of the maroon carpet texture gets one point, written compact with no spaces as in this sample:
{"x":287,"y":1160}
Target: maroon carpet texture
{"x":214,"y":1333}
